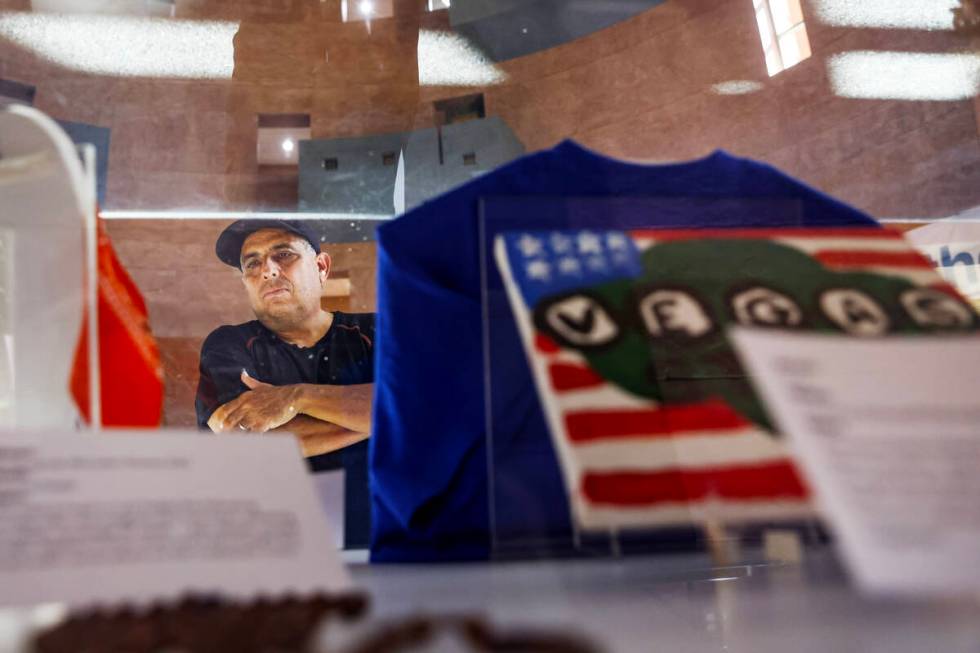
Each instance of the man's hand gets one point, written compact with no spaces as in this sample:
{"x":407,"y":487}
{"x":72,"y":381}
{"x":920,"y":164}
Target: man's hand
{"x":262,"y":408}
{"x":246,"y":413}
{"x":324,"y":417}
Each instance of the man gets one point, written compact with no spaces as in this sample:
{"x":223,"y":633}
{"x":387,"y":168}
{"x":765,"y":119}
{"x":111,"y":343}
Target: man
{"x":296,"y":368}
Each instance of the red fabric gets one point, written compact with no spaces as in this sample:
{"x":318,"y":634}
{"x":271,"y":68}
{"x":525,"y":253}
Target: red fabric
{"x":862,"y":258}
{"x":668,"y":420}
{"x":565,"y":377}
{"x":129,"y":360}
{"x":545,"y":344}
{"x":767,"y":481}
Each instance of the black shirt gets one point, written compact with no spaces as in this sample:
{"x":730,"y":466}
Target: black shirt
{"x":343,"y":356}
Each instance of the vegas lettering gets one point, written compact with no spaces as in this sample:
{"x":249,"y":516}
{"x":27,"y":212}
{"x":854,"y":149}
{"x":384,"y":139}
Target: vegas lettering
{"x":584,"y":319}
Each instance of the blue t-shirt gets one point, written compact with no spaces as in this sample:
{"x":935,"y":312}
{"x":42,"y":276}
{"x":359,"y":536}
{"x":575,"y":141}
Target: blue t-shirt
{"x":428,"y":450}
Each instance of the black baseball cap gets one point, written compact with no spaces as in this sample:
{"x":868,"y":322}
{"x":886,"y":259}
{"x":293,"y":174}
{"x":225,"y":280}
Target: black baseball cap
{"x":229,"y":245}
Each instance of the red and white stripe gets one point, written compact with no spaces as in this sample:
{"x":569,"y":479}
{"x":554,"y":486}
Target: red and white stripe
{"x":687,"y":476}
{"x":631,"y":462}
{"x":842,"y":249}
{"x":636,"y":463}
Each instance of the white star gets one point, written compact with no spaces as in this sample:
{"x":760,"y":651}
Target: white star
{"x":529,"y":246}
{"x":561,"y":243}
{"x":569,"y":265}
{"x":617,"y":241}
{"x":589,"y":243}
{"x":538,"y":270}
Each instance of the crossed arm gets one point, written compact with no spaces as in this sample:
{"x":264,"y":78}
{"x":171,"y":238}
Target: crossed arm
{"x":323,"y":417}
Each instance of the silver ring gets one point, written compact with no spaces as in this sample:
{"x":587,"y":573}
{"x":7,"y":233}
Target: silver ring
{"x":243,"y":427}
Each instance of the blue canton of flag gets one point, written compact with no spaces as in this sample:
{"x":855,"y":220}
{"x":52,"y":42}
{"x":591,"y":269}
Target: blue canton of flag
{"x":546,"y":263}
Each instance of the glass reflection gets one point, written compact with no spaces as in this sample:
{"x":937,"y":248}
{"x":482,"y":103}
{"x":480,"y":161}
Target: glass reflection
{"x":126,"y":46}
{"x":176,"y":89}
{"x":887,"y":14}
{"x":905,"y":75}
{"x":783,"y":34}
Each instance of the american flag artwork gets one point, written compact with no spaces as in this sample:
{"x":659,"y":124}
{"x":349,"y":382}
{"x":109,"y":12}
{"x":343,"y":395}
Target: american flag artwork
{"x":653,"y":419}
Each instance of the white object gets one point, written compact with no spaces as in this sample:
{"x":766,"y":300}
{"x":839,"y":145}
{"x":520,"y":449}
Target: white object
{"x":100,"y":519}
{"x":887,"y":432}
{"x":125,"y":45}
{"x":953,"y":245}
{"x":47,"y":204}
{"x":158,"y":8}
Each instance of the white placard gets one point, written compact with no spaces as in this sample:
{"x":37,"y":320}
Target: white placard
{"x":953,"y":246}
{"x":136,"y":517}
{"x":887,"y":432}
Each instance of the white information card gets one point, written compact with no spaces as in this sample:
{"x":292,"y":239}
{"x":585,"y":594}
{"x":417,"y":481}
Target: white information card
{"x":887,"y":432}
{"x":88,"y":519}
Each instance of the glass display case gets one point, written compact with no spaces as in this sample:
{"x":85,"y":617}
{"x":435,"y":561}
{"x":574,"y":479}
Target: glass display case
{"x":351,"y":113}
{"x":359,"y":118}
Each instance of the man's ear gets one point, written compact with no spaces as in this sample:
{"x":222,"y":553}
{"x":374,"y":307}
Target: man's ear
{"x":323,"y":265}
